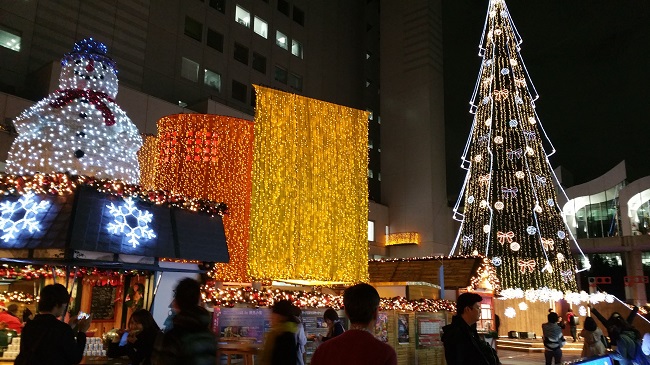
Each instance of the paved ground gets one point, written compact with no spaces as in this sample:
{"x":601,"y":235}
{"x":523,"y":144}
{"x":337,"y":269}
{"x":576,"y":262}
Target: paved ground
{"x":525,"y":358}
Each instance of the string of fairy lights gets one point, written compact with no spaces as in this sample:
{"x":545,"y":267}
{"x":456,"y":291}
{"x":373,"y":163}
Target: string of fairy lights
{"x":309,"y":197}
{"x":210,"y":156}
{"x":64,"y":183}
{"x":511,"y":213}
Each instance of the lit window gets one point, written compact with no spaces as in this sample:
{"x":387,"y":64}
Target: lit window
{"x":10,"y":40}
{"x":189,"y":70}
{"x":295,"y":81}
{"x":370,"y":174}
{"x":212,"y":79}
{"x":370,"y":145}
{"x":371,"y":231}
{"x":260,"y":27}
{"x":242,"y":16}
{"x":296,"y":48}
{"x":281,"y":40}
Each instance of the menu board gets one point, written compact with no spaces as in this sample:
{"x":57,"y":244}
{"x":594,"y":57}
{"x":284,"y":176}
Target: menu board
{"x":101,"y":302}
{"x":428,"y":331}
{"x":242,"y":322}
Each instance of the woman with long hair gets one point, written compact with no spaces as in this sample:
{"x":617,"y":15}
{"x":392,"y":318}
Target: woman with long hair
{"x":594,"y":344}
{"x":142,"y":334}
{"x":334,"y":326}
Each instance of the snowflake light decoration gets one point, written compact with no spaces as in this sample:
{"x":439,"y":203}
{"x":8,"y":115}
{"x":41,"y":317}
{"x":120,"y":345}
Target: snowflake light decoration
{"x":510,"y":312}
{"x":28,"y":221}
{"x":121,"y":225}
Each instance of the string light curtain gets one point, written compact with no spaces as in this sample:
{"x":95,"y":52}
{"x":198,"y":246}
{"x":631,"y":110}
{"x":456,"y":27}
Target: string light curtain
{"x":148,"y":159}
{"x":309,"y":212}
{"x":210,"y":157}
{"x":511,"y":212}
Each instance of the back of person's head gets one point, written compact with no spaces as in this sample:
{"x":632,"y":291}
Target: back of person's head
{"x":297,"y":312}
{"x":188,"y":294}
{"x":286,"y":309}
{"x":145,"y":318}
{"x":467,"y":300}
{"x":12,"y":308}
{"x":331,"y":314}
{"x":570,"y":310}
{"x":590,"y":324}
{"x":51,"y":296}
{"x":552,"y":317}
{"x":361,"y":302}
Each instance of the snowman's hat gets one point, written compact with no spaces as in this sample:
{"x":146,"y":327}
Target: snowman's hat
{"x":88,"y":48}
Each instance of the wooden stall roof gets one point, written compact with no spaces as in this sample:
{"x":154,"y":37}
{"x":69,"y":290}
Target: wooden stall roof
{"x":458,"y":271}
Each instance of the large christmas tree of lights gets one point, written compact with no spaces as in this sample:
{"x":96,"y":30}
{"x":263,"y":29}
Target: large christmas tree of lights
{"x":511,"y":213}
{"x":79,"y":128}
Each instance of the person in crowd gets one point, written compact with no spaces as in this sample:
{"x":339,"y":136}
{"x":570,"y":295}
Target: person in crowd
{"x":627,"y":340}
{"x":9,"y":317}
{"x":497,"y":323}
{"x":461,"y":341}
{"x":334,"y":326}
{"x":593,"y":337}
{"x":46,"y":339}
{"x":280,"y":346}
{"x":301,"y":339}
{"x":190,"y":341}
{"x":142,"y":333}
{"x":572,"y":320}
{"x":613,"y":319}
{"x":553,"y":339}
{"x":27,"y":315}
{"x":358,"y":346}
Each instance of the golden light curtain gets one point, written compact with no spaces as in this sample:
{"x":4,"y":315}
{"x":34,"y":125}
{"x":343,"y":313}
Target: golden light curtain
{"x":309,"y":211}
{"x":210,"y":157}
{"x":148,"y":159}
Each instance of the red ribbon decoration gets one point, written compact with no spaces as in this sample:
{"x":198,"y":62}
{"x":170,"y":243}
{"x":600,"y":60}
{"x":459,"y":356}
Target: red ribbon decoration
{"x":502,"y":237}
{"x":94,"y":97}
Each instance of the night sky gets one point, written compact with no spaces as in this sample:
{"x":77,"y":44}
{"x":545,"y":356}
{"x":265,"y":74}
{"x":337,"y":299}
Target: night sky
{"x":590,"y":64}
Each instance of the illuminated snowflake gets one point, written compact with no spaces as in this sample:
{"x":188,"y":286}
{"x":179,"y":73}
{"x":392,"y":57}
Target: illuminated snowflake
{"x":28,"y":221}
{"x":510,"y":312}
{"x":582,"y":310}
{"x":523,"y":306}
{"x":496,"y":261}
{"x":140,"y":230}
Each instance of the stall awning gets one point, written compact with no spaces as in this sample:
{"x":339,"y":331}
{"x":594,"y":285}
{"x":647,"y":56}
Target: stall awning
{"x":458,"y":271}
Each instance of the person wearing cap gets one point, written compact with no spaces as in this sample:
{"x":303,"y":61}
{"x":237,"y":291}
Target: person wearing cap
{"x":280,"y":342}
{"x":8,"y":316}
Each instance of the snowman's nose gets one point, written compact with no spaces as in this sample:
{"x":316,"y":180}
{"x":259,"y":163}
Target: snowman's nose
{"x":91,"y":66}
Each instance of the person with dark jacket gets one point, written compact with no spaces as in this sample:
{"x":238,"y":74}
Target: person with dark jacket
{"x":190,"y":341}
{"x":462,"y":343}
{"x":553,"y":339}
{"x":334,"y":325}
{"x":47,"y":340}
{"x":142,"y":334}
{"x":280,"y":345}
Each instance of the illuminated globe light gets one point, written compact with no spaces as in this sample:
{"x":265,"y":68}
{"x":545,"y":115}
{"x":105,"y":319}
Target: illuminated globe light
{"x":523,"y":306}
{"x":496,"y":261}
{"x":486,"y":228}
{"x":582,"y":311}
{"x":515,"y":246}
{"x":493,"y":13}
{"x":478,"y":158}
{"x":487,"y":62}
{"x":505,"y":71}
{"x":513,"y":123}
{"x":532,"y":120}
{"x":531,"y":230}
{"x":483,"y":204}
{"x":488,"y":122}
{"x":504,"y":14}
{"x":538,"y":209}
{"x":513,"y":62}
{"x":519,"y":100}
{"x":530,"y":151}
{"x":475,"y":253}
{"x":560,"y":257}
{"x":520,"y":175}
{"x":510,"y":312}
{"x":486,"y":100}
{"x":561,"y":234}
{"x":470,"y":199}
{"x":498,"y":32}
{"x":550,"y":202}
{"x":498,"y":205}
{"x":498,"y":139}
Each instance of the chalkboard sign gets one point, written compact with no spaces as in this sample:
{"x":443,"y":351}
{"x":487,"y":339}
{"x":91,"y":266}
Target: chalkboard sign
{"x":101,"y":302}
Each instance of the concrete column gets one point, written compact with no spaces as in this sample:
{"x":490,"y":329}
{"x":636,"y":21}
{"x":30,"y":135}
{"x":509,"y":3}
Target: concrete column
{"x":634,"y":294}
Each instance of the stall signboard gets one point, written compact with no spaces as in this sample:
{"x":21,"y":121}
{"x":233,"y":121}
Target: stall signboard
{"x":403,"y":328}
{"x":429,"y":327}
{"x":101,"y":302}
{"x":242,"y":322}
{"x":381,"y":327}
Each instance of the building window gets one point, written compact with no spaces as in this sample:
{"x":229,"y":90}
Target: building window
{"x":260,"y":27}
{"x":212,"y":79}
{"x":10,"y":39}
{"x":239,"y":91}
{"x":371,"y":231}
{"x":193,"y":29}
{"x":296,"y":48}
{"x":379,"y":175}
{"x":242,"y":16}
{"x":281,"y":74}
{"x":189,"y":70}
{"x":370,"y":174}
{"x":295,"y":81}
{"x":241,"y":53}
{"x":219,"y":5}
{"x":298,"y":16}
{"x":259,"y":62}
{"x":284,"y":7}
{"x":281,"y":40}
{"x":253,"y":97}
{"x":215,"y":40}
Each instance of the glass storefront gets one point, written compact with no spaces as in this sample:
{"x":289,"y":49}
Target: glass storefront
{"x":595,"y":215}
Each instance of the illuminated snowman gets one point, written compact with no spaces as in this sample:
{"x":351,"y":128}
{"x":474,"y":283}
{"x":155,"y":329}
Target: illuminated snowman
{"x":79,"y":128}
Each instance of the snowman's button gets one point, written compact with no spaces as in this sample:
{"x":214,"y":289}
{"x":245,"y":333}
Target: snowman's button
{"x":81,"y":134}
{"x":83,"y":115}
{"x":79,"y":153}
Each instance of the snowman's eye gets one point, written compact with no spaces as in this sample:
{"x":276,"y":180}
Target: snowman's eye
{"x":103,"y":66}
{"x":101,"y":77}
{"x":77,"y":61}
